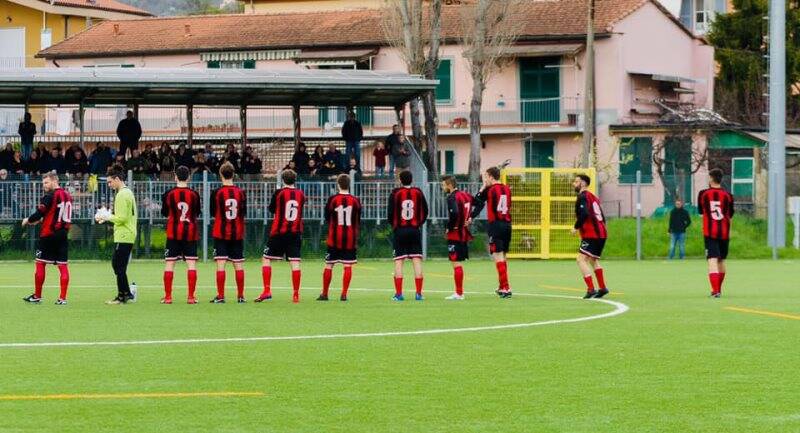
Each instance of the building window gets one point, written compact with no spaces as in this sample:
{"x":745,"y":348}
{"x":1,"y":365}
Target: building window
{"x":444,"y":91}
{"x":635,"y":154}
{"x":231,"y":64}
{"x":742,"y":182}
{"x":448,"y":166}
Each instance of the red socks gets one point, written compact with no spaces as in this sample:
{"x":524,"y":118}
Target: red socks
{"x":346,"y":277}
{"x":168,"y":276}
{"x":38,"y":279}
{"x":589,"y":283}
{"x":221,"y":284}
{"x":502,"y":275}
{"x":64,"y":271}
{"x":458,"y":276}
{"x":398,"y":286}
{"x":418,"y":284}
{"x":266,"y":276}
{"x":601,"y":282}
{"x":296,"y":281}
{"x":240,"y":283}
{"x":327,"y":276}
{"x":191,"y":276}
{"x":715,"y":278}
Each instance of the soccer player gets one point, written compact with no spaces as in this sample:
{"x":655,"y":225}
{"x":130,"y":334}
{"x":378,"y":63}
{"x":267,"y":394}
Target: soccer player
{"x":591,"y":225}
{"x":181,"y":206}
{"x":343,"y":214}
{"x":124,"y":220}
{"x":498,"y":198}
{"x":285,"y":237}
{"x":54,"y":212}
{"x":407,"y":212}
{"x":229,"y":209}
{"x":459,"y":209}
{"x":716,"y":206}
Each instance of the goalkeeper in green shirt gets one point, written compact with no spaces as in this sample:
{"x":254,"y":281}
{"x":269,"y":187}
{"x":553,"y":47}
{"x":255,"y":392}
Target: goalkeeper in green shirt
{"x":124,"y":220}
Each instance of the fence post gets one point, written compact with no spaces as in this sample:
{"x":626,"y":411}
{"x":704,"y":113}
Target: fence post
{"x":638,"y":215}
{"x":206,"y":198}
{"x":147,"y":239}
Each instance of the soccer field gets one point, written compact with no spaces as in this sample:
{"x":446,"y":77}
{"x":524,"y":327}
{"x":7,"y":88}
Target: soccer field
{"x":676,"y":361}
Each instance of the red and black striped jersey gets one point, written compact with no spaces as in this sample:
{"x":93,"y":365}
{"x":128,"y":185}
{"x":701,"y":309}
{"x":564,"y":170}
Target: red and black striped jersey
{"x":55,"y":211}
{"x":287,"y":205}
{"x":589,"y":218}
{"x":716,"y":206}
{"x":497,"y":199}
{"x":459,"y":209}
{"x":407,"y":208}
{"x":343,"y":214}
{"x":182,"y":207}
{"x":229,"y":208}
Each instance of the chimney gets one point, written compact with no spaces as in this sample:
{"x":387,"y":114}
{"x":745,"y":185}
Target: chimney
{"x":116,"y":29}
{"x":187,"y":30}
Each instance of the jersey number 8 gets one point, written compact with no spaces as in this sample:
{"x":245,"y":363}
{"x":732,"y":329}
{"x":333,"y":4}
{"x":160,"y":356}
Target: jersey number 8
{"x":407,"y":210}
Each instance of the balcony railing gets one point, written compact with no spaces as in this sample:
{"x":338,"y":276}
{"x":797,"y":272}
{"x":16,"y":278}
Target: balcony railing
{"x":12,"y":62}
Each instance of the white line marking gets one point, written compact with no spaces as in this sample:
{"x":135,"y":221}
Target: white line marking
{"x":619,"y":308}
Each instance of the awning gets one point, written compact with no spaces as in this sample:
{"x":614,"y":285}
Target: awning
{"x":542,"y":50}
{"x":249,"y":55}
{"x":792,"y":140}
{"x":335,"y":56}
{"x":668,"y":78}
{"x":216,"y":87}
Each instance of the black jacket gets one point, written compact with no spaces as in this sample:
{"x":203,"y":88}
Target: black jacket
{"x":352,"y":131}
{"x":129,"y":131}
{"x":679,"y":220}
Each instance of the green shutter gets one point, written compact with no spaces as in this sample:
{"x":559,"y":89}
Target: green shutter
{"x":126,"y":66}
{"x":540,"y":89}
{"x":444,"y":90}
{"x":635,"y":153}
{"x":539,"y":153}
{"x":449,"y":162}
{"x":364,"y":115}
{"x":249,"y":64}
{"x":322,"y":116}
{"x":213,"y":64}
{"x":742,"y":178}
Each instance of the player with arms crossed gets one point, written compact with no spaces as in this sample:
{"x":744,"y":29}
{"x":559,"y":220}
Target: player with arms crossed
{"x":590,"y":223}
{"x":285,"y":236}
{"x":229,"y":208}
{"x":459,"y":209}
{"x":497,"y":199}
{"x":716,"y":206}
{"x":181,"y":206}
{"x":54,"y":212}
{"x":343,"y":214}
{"x":407,"y":212}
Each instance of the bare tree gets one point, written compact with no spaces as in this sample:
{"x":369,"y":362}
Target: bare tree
{"x":687,"y":157}
{"x":490,"y":28}
{"x":412,"y":27}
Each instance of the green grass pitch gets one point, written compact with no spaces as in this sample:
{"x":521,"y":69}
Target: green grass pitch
{"x":677,"y":361}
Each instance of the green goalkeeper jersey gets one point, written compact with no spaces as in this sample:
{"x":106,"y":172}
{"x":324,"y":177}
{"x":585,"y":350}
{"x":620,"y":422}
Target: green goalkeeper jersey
{"x":124,"y":218}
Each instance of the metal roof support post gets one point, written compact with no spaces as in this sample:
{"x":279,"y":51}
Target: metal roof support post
{"x":297,"y":125}
{"x":189,"y":125}
{"x":81,"y":115}
{"x":400,"y":112}
{"x":243,"y":125}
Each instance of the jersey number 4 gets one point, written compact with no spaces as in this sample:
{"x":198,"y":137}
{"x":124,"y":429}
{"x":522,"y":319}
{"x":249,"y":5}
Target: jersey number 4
{"x":502,"y":204}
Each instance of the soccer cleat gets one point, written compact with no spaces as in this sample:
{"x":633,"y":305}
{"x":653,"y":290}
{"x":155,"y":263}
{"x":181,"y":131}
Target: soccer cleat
{"x":343,"y":298}
{"x":116,"y":301}
{"x":590,"y":294}
{"x":262,"y":298}
{"x":32,"y":299}
{"x":191,"y":301}
{"x":295,"y":298}
{"x":601,"y":293}
{"x":322,"y":298}
{"x":455,"y":297}
{"x":419,"y":297}
{"x":241,"y":300}
{"x":716,"y":295}
{"x":217,"y":300}
{"x":166,"y":301}
{"x":398,"y":298}
{"x":60,"y":301}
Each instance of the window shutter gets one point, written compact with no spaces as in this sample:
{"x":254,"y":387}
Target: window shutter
{"x":445,"y":76}
{"x":213,"y":64}
{"x":249,"y":64}
{"x":449,"y":162}
{"x":322,"y":116}
{"x":634,"y":154}
{"x":364,"y":115}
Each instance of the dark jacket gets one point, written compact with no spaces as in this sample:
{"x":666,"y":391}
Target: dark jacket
{"x":679,"y":220}
{"x":301,"y":161}
{"x":26,"y":132}
{"x":100,"y":160}
{"x":77,"y":166}
{"x":129,"y":131}
{"x":352,"y":131}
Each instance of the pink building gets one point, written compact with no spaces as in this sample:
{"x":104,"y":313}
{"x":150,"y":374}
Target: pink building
{"x":646,"y":63}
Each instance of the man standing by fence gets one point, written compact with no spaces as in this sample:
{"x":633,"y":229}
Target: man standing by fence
{"x":27,"y":130}
{"x":352,"y":133}
{"x":679,"y":221}
{"x":129,"y":131}
{"x":124,"y":220}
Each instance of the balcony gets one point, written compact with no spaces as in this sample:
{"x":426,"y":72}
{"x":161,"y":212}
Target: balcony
{"x":12,"y":62}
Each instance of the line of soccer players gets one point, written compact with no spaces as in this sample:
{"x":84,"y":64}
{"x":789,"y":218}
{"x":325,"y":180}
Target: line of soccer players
{"x":407,"y":212}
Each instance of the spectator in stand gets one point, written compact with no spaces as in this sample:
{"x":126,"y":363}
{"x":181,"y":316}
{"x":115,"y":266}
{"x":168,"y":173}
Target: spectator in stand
{"x":138,"y":165}
{"x":26,"y":130}
{"x":291,"y":166}
{"x":151,"y":157}
{"x":301,"y":158}
{"x":354,"y":170}
{"x":252,"y":163}
{"x":69,"y":155}
{"x":380,"y":153}
{"x":32,"y":163}
{"x":129,"y":131}
{"x":679,"y":221}
{"x":6,"y":155}
{"x":401,"y":154}
{"x":318,"y":156}
{"x":100,"y":159}
{"x":232,"y":156}
{"x":3,"y":177}
{"x":395,"y":139}
{"x":166,"y":162}
{"x":17,"y":166}
{"x":352,"y":133}
{"x":312,"y":168}
{"x":119,"y":162}
{"x":333,"y":159}
{"x":211,"y":160}
{"x":78,"y":165}
{"x":183,"y":157}
{"x":55,"y":162}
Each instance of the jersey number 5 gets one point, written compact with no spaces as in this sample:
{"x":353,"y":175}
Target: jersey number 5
{"x":716,"y":210}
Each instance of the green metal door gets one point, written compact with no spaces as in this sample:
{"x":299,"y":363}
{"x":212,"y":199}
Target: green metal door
{"x":539,"y":89}
{"x":539,"y":153}
{"x":677,"y":169}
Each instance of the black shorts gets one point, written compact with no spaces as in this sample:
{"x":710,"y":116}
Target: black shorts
{"x":407,"y":243}
{"x":592,"y":247}
{"x":180,"y":250}
{"x":457,"y":251}
{"x":345,"y":257}
{"x":499,"y":237}
{"x":716,"y":248}
{"x":232,"y":251}
{"x":286,"y":246}
{"x":53,"y":249}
